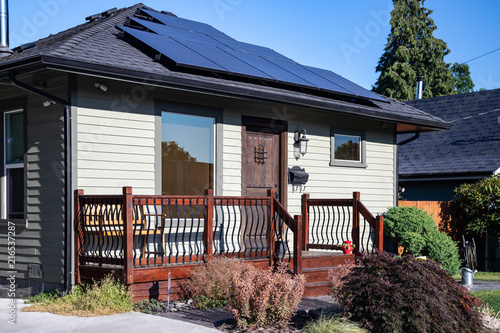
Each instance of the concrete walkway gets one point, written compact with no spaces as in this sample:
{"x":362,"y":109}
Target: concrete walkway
{"x":37,"y":322}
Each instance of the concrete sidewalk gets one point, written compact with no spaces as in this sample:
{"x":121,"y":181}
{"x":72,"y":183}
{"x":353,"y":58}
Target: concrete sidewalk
{"x":196,"y":321}
{"x":37,"y":322}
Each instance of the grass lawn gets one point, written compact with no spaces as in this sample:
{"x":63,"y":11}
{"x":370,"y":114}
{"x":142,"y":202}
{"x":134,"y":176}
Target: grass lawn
{"x":490,"y":297}
{"x":483,"y":276}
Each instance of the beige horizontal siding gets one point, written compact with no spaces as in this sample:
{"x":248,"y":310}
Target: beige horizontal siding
{"x":115,"y":149}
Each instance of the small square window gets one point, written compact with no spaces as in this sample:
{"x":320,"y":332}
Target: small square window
{"x":347,"y":147}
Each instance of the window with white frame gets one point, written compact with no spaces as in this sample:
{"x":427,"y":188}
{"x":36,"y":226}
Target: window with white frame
{"x":13,"y":138}
{"x":347,"y":147}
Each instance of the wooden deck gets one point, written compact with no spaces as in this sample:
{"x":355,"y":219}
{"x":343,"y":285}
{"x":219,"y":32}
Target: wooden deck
{"x":144,"y":240}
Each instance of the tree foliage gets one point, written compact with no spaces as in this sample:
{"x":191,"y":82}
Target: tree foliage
{"x":413,"y":51}
{"x":480,"y":203}
{"x":170,"y":150}
{"x":461,"y":75}
{"x":347,"y":151}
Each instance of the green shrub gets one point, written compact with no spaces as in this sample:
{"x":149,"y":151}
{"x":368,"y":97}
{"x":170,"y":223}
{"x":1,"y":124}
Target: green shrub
{"x":265,"y":298}
{"x":417,"y":233}
{"x":332,"y":325}
{"x":44,"y":297}
{"x":441,"y":248}
{"x":210,"y":284}
{"x":148,"y":306}
{"x":401,"y":220}
{"x":403,"y":294}
{"x":104,"y":297}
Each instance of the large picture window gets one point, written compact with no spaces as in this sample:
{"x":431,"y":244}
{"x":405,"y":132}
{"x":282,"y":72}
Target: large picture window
{"x":347,"y":147}
{"x":188,"y":154}
{"x":14,"y":164}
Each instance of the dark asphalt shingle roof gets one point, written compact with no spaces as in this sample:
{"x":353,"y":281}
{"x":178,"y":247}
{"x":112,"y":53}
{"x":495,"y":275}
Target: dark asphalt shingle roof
{"x":471,"y":146}
{"x":95,"y":46}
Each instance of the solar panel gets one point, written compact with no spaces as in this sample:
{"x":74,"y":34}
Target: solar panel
{"x":172,"y":49}
{"x":224,"y":59}
{"x":316,"y":80}
{"x":342,"y":82}
{"x":269,"y":68}
{"x":197,"y":45}
{"x":165,"y":30}
{"x":184,"y":24}
{"x":254,"y":49}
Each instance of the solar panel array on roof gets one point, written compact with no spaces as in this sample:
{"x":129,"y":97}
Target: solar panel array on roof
{"x":197,"y":45}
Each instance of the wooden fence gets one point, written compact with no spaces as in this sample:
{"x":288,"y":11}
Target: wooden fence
{"x":446,"y":215}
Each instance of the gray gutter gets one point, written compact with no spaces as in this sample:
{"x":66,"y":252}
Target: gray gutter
{"x":67,"y":173}
{"x":215,"y":88}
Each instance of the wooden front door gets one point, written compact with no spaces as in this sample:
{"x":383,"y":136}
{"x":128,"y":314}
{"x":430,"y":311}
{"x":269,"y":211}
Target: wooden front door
{"x":262,"y":158}
{"x":262,"y":165}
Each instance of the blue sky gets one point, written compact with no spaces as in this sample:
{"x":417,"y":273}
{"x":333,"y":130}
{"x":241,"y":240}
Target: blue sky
{"x":344,"y":36}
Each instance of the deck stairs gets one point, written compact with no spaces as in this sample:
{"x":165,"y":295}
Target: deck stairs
{"x":316,"y":265}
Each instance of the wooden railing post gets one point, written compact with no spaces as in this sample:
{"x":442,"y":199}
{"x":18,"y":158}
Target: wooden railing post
{"x":355,"y":220}
{"x":379,"y":233}
{"x":271,"y":227}
{"x":128,"y":236}
{"x":78,"y":234}
{"x":305,"y":221}
{"x":208,"y":235}
{"x":297,"y":245}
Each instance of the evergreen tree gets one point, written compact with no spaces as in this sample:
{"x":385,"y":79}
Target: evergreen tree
{"x":461,"y":75}
{"x":413,"y":51}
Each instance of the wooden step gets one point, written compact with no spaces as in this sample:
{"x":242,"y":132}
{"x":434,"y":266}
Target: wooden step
{"x":319,"y":274}
{"x":317,"y":259}
{"x":312,"y":289}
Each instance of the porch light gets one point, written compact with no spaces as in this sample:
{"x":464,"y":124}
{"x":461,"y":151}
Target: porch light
{"x":301,"y":141}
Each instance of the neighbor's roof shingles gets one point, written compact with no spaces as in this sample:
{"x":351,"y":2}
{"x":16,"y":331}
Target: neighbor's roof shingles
{"x":471,"y":146}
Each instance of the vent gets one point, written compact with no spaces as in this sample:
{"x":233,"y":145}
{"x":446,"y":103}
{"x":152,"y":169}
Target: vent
{"x":101,"y":15}
{"x":35,"y":271}
{"x":23,"y":47}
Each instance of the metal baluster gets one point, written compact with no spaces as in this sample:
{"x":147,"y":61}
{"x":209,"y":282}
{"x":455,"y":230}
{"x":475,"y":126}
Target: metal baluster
{"x":171,"y":219}
{"x":235,"y":223}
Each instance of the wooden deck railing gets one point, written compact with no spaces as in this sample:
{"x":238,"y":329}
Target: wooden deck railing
{"x":130,"y":233}
{"x":136,"y":231}
{"x":329,"y":222}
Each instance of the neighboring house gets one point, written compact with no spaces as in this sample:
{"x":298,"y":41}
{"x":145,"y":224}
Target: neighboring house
{"x":115,"y":102}
{"x":431,"y":167}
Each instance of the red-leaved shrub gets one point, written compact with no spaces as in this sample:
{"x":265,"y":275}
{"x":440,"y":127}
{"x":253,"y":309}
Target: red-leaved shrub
{"x":265,"y":298}
{"x":336,"y":277}
{"x":403,"y":294}
{"x":210,"y":284}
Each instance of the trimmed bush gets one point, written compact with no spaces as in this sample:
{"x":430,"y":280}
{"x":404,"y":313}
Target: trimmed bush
{"x":417,"y":233}
{"x":210,"y":284}
{"x":404,"y":294}
{"x":265,"y":298}
{"x":256,"y":297}
{"x":441,"y":248}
